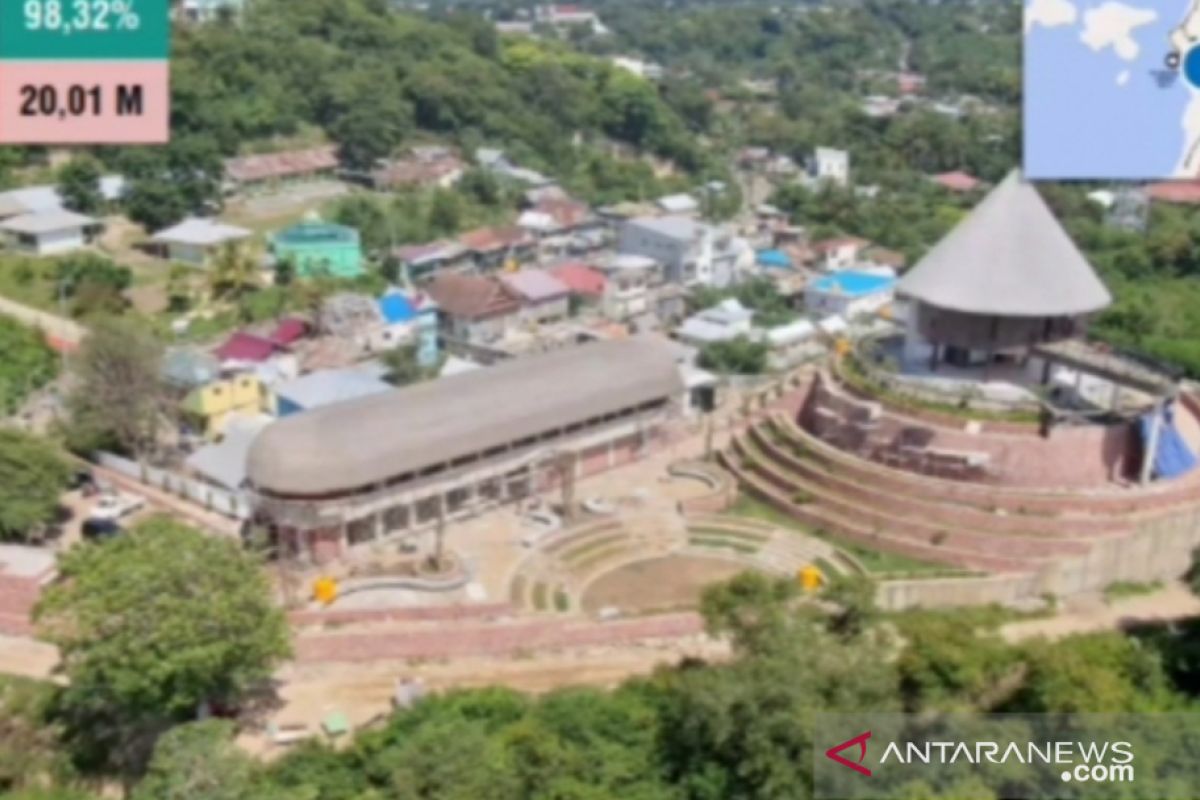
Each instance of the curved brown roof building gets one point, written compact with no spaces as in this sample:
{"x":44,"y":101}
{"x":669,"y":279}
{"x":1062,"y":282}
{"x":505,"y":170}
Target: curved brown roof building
{"x":350,"y":462}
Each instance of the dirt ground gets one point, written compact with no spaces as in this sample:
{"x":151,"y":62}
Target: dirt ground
{"x":1089,"y":614}
{"x":363,"y":692}
{"x":658,"y":584}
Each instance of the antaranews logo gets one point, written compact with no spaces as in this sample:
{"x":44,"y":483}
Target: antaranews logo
{"x":1033,"y":757}
{"x":860,"y":741}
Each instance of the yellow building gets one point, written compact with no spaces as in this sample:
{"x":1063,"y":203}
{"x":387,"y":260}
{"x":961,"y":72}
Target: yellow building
{"x":211,"y":405}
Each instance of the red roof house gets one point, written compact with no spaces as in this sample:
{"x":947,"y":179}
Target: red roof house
{"x":289,"y":331}
{"x":957,"y":181}
{"x":581,"y":279}
{"x":243,"y":346}
{"x":1180,"y":192}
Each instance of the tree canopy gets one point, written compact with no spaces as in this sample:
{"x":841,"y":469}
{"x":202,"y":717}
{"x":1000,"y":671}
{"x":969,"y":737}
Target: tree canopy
{"x":153,"y":624}
{"x":33,"y":474}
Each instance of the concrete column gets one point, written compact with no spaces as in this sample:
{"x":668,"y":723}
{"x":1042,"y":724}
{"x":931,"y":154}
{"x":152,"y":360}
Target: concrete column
{"x":1151,"y":446}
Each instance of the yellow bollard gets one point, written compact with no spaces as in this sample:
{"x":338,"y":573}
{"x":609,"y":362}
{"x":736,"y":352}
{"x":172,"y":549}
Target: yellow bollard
{"x":810,"y":578}
{"x":325,"y":590}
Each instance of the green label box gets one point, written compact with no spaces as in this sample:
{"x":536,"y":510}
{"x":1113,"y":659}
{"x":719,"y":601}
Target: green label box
{"x":84,"y":29}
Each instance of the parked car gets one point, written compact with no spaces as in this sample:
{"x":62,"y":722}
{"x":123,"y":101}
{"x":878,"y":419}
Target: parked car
{"x":115,"y":505}
{"x":98,"y":530}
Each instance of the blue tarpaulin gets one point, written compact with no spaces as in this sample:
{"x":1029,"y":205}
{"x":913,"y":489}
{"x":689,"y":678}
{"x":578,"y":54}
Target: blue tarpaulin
{"x":1172,"y":458}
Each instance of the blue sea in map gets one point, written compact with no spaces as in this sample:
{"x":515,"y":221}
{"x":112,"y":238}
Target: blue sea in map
{"x":1080,"y":124}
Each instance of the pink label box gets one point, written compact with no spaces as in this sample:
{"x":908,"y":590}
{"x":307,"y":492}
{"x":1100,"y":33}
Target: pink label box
{"x":84,"y":102}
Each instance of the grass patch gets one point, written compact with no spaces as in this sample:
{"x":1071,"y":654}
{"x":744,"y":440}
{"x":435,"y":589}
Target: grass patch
{"x":718,"y":532}
{"x":851,"y":371}
{"x":539,"y":596}
{"x":717,"y":543}
{"x":877,"y":562}
{"x":1123,"y":589}
{"x":562,"y":602}
{"x":574,"y":555}
{"x":597,"y":557}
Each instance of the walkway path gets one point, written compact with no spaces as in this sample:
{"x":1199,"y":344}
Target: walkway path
{"x":59,"y":329}
{"x":1093,"y":614}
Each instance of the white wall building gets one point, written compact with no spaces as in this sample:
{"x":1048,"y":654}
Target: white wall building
{"x":690,"y":252}
{"x":831,"y":166}
{"x":48,"y":232}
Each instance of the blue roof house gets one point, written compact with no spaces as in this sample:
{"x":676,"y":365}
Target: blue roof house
{"x":850,"y":293}
{"x":413,"y":316}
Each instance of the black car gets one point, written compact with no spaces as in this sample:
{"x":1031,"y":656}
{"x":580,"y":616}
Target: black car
{"x":99,"y":530}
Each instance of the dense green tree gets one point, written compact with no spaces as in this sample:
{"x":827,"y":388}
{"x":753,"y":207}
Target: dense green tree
{"x":740,"y":356}
{"x":33,"y":474}
{"x":149,"y":627}
{"x":201,"y":761}
{"x":79,"y":185}
{"x":27,"y":364}
{"x":93,"y":284}
{"x":30,"y":752}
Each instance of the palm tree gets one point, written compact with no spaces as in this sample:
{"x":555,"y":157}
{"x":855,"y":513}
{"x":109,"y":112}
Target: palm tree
{"x":234,"y":272}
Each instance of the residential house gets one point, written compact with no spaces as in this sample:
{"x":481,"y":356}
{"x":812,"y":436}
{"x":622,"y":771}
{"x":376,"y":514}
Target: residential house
{"x":647,"y":70}
{"x":496,"y":162}
{"x":568,"y":16}
{"x":196,"y":240}
{"x":419,"y":261}
{"x":320,"y":248}
{"x":246,"y":172}
{"x":587,"y":285}
{"x":430,"y":166}
{"x":325,"y":388}
{"x":209,"y":407}
{"x":724,"y":322}
{"x":691,"y":252}
{"x":792,"y":344}
{"x":957,"y":181}
{"x":679,"y":204}
{"x":544,"y":298}
{"x":842,"y":252}
{"x":830,"y":166}
{"x":850,"y":293}
{"x":629,"y":281}
{"x":186,"y":368}
{"x":473,"y":308}
{"x":289,"y":331}
{"x":492,"y":248}
{"x":44,"y":233}
{"x":246,"y":350}
{"x":412,"y":317}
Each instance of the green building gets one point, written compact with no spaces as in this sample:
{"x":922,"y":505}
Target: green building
{"x":320,"y":247}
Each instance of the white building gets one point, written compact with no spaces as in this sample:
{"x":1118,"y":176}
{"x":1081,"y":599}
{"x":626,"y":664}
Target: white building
{"x":628,"y":282}
{"x":45,"y":233}
{"x":724,"y":322}
{"x":195,"y":240}
{"x":690,"y":252}
{"x":830,"y":166}
{"x":683,"y":204}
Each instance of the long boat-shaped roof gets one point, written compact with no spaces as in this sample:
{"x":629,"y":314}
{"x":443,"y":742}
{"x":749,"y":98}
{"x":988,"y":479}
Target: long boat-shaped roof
{"x":367,"y":441}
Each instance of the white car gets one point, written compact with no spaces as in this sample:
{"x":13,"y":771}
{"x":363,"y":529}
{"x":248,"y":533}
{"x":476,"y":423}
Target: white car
{"x":115,"y":505}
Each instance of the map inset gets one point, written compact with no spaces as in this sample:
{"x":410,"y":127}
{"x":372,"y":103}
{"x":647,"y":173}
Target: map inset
{"x":1112,"y":89}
